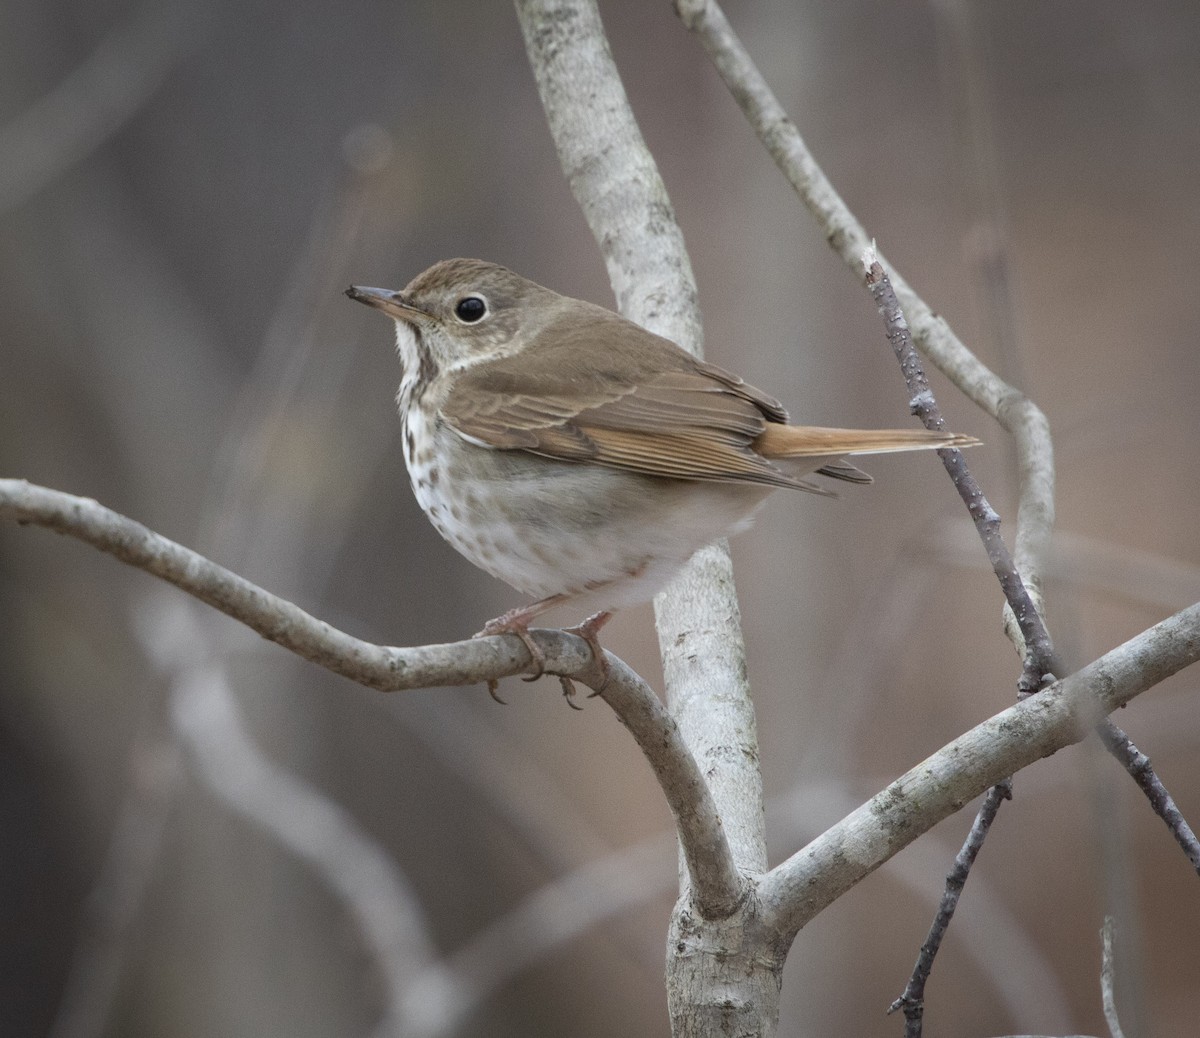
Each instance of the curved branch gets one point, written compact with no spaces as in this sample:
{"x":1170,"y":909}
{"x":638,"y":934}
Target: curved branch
{"x":846,"y":236}
{"x":1060,"y":715}
{"x":384,"y":668}
{"x":391,"y":669}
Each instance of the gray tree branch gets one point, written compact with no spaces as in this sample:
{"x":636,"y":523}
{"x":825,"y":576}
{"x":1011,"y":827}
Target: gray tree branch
{"x":618,"y":187}
{"x":849,"y":239}
{"x":1065,"y":713}
{"x":391,"y":669}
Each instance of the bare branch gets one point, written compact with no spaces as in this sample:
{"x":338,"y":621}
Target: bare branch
{"x":814,"y":877}
{"x":847,"y":237}
{"x":391,"y":669}
{"x":1038,"y":648}
{"x":913,"y":999}
{"x":1137,"y":764}
{"x":617,"y":184}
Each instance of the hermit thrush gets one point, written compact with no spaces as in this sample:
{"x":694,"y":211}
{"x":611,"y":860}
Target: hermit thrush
{"x":577,"y":456}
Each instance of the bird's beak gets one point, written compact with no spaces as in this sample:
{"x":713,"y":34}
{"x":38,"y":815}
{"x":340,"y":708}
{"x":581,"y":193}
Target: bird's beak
{"x":391,"y":303}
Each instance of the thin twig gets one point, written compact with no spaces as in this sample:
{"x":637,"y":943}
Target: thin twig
{"x":994,"y":932}
{"x":1040,"y":662}
{"x":913,"y":999}
{"x":1039,"y":650}
{"x":1138,"y":765}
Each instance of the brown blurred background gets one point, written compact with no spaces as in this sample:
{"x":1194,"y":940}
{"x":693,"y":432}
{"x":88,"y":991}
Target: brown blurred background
{"x":184,"y":191}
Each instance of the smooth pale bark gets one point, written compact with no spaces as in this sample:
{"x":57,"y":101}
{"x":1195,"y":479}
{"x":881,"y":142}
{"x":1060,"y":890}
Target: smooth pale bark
{"x":716,"y":983}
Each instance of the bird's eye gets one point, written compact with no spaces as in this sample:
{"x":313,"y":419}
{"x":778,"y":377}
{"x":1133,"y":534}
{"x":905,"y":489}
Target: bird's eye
{"x":470,"y":309}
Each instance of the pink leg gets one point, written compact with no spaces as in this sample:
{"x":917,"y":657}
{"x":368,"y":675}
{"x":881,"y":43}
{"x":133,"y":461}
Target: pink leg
{"x":588,"y":631}
{"x":516,"y":621}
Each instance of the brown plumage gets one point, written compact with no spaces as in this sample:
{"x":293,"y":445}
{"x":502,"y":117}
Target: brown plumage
{"x":578,"y":456}
{"x":662,"y":412}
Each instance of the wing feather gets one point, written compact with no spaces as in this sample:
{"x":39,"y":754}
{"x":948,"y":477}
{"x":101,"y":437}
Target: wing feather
{"x":662,"y":413}
{"x":655,"y":410}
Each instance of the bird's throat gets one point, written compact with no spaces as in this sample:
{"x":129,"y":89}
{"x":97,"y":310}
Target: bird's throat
{"x":418,"y":368}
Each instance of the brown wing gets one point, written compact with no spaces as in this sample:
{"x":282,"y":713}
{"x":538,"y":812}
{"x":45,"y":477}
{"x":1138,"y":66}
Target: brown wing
{"x":654,"y":409}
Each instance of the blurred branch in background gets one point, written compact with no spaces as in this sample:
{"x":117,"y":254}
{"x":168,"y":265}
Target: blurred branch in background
{"x":106,"y":931}
{"x":368,"y":882}
{"x":99,"y":97}
{"x":205,"y":717}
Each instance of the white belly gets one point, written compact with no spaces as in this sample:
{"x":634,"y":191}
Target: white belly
{"x":606,"y":537}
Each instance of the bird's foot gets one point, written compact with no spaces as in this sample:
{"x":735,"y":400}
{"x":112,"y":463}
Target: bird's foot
{"x":589,"y":631}
{"x":515,"y":621}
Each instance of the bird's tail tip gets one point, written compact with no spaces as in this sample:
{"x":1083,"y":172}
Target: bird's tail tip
{"x":796,"y":441}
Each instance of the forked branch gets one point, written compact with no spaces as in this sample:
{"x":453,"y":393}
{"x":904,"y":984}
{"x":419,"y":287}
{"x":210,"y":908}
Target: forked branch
{"x":1065,"y":713}
{"x":796,"y":890}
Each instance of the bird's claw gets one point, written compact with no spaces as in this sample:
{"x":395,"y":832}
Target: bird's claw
{"x":568,"y":690}
{"x":589,"y":631}
{"x":517,"y":622}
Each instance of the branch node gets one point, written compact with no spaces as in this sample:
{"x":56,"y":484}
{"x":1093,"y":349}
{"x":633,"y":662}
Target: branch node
{"x":921,"y":403}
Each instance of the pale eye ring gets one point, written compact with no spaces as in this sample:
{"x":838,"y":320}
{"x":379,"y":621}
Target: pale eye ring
{"x":471,"y":309}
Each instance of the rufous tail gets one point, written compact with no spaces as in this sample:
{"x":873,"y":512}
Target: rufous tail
{"x":805,"y":441}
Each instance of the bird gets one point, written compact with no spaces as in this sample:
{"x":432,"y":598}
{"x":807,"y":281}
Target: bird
{"x":579,"y":457}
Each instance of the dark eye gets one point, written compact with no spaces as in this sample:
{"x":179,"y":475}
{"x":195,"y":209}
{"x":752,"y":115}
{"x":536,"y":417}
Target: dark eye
{"x":470,"y":309}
